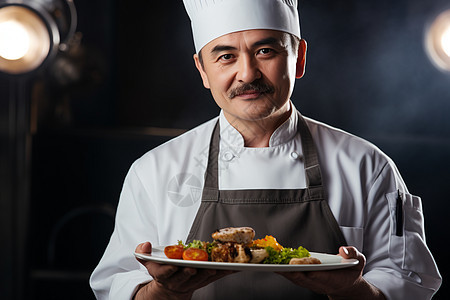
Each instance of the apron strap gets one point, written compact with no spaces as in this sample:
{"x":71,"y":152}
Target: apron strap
{"x":312,"y":168}
{"x":212,"y":170}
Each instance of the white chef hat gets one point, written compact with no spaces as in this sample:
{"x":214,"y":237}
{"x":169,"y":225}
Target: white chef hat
{"x":211,"y":19}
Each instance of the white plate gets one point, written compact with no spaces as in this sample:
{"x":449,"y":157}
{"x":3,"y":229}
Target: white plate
{"x":329,"y":262}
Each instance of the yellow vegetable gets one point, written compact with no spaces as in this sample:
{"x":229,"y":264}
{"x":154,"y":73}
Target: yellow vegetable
{"x":268,"y":241}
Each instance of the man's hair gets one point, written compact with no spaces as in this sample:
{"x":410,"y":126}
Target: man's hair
{"x":295,"y":42}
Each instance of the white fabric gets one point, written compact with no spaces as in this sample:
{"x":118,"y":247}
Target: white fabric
{"x":237,"y":162}
{"x":211,"y":19}
{"x":162,"y":193}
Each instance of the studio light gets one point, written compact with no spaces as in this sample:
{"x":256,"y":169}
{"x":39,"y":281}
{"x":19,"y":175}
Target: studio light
{"x":32,"y":32}
{"x":437,"y":41}
{"x":446,"y":41}
{"x":14,"y":40}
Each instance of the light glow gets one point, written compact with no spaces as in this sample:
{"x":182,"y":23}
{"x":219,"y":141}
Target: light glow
{"x":445,"y":41}
{"x":14,"y":40}
{"x":24,"y":39}
{"x":437,"y":41}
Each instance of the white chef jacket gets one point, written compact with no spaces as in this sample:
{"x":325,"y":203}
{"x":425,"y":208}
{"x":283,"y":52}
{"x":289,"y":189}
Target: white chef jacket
{"x":162,"y":193}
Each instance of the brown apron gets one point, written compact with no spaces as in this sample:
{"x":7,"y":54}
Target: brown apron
{"x":296,"y":217}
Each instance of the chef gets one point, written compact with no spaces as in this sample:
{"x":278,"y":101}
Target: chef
{"x":262,"y":164}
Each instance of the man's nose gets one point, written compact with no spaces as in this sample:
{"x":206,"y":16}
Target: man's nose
{"x":248,"y":70}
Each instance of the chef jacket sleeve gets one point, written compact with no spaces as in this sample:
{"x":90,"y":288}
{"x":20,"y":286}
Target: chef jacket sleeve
{"x":398,"y":262}
{"x":118,"y":273}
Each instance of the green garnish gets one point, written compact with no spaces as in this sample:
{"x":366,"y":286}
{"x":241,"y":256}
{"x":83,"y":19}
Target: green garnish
{"x":210,"y":246}
{"x":285,"y":255}
{"x":195,"y":244}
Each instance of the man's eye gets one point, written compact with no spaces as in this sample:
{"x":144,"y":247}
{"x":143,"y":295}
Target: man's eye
{"x":226,"y":57}
{"x":265,"y":51}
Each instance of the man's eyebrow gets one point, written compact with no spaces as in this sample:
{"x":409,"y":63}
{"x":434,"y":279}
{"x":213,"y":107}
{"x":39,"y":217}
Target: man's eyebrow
{"x":267,"y":41}
{"x":220,"y":48}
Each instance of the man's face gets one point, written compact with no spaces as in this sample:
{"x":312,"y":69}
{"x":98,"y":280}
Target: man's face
{"x":251,"y":73}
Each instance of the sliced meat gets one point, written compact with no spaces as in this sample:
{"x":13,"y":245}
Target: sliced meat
{"x":241,"y":255}
{"x":242,"y":235}
{"x":258,"y":255}
{"x":305,"y":261}
{"x":230,"y":252}
{"x":222,"y":253}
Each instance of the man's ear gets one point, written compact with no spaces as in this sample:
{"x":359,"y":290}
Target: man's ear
{"x":202,"y":72}
{"x":301,"y":59}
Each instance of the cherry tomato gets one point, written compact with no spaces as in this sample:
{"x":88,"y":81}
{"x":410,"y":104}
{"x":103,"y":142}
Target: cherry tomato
{"x":195,"y":254}
{"x":174,"y":251}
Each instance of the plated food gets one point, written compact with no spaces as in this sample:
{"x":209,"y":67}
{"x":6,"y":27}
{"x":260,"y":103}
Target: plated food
{"x":237,"y":245}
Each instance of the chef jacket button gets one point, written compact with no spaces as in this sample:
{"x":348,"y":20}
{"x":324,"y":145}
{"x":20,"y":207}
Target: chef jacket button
{"x":227,"y":156}
{"x":294,"y":155}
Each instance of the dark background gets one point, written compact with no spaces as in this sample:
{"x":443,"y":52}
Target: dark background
{"x":367,"y":73}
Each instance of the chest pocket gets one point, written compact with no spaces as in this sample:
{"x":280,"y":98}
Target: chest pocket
{"x":407,"y":236}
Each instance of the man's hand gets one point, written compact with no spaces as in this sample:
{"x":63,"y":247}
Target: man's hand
{"x":345,"y":283}
{"x":172,"y":282}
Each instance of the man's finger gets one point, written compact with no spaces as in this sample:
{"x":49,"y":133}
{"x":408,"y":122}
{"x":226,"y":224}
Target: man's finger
{"x":352,"y":252}
{"x":144,"y":248}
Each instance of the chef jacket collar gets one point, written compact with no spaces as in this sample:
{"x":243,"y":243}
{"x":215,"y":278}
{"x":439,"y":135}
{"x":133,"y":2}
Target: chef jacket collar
{"x":283,"y":134}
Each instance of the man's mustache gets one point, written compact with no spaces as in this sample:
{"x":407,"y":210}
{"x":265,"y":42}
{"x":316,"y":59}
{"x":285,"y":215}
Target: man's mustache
{"x":257,"y":87}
